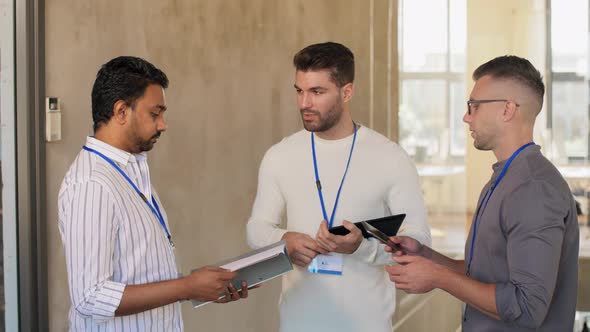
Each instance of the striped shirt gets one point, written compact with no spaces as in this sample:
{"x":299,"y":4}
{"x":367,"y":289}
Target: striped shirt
{"x":111,"y":239}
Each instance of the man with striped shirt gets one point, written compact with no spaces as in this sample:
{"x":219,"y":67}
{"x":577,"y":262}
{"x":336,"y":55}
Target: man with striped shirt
{"x":122,"y":272}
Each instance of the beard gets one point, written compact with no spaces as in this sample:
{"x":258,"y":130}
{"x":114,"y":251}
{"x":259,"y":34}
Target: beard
{"x":143,"y":145}
{"x":322,"y":122}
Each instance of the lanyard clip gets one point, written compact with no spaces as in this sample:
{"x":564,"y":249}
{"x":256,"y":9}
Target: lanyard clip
{"x":171,"y":243}
{"x":143,"y":197}
{"x":318,"y":184}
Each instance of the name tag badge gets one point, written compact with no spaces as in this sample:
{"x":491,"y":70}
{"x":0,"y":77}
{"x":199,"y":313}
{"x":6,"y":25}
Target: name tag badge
{"x":326,"y":264}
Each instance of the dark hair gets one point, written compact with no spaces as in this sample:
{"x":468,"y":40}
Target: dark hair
{"x":514,"y":68}
{"x":332,"y":56}
{"x":123,"y":78}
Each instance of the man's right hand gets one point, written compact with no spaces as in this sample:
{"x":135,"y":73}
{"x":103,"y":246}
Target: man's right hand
{"x":208,"y":283}
{"x":408,"y":246}
{"x":302,"y":248}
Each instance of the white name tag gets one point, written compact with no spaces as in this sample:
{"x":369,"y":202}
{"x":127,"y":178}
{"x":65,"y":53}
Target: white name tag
{"x":326,"y":264}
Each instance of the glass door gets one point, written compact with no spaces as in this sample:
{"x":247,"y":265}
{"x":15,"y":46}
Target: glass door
{"x":8,"y":240}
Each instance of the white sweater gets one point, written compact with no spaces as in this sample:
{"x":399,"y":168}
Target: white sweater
{"x":381,"y":180}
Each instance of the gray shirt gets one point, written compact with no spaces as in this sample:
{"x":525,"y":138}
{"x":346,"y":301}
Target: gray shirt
{"x":527,"y":243}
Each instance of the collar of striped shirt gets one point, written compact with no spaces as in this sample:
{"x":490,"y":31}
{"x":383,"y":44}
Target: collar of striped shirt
{"x":117,"y":155}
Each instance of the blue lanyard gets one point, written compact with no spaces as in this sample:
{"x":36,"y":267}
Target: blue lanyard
{"x":486,"y":199}
{"x":319,"y":184}
{"x":155,"y":208}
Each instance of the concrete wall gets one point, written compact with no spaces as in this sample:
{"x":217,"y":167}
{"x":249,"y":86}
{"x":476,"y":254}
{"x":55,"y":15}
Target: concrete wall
{"x":230,"y":98}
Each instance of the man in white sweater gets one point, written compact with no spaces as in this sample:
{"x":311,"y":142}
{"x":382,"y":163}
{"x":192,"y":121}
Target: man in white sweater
{"x":333,"y":172}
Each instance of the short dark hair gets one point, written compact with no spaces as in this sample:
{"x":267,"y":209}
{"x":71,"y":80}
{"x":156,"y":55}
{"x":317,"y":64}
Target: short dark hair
{"x":122,"y":78}
{"x":514,"y":68}
{"x":336,"y":58}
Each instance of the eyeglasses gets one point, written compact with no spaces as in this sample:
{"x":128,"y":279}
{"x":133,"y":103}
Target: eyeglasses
{"x":471,"y":103}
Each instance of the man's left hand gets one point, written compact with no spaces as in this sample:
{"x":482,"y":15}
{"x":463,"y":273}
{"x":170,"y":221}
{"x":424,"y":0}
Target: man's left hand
{"x":414,"y":274}
{"x":232,"y":294}
{"x":343,"y":244}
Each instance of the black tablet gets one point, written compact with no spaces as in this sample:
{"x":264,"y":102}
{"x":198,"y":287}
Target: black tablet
{"x":388,"y":225}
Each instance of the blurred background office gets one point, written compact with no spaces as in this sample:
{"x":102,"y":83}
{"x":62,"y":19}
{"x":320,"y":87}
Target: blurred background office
{"x":231,"y":97}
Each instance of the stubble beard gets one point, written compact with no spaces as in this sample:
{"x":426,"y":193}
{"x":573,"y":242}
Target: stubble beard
{"x":323,"y":123}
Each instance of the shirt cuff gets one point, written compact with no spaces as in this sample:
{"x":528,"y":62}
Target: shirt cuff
{"x":506,"y":303}
{"x":107,"y":300}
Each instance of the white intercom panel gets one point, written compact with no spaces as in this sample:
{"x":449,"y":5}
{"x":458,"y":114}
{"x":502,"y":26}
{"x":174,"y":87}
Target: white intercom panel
{"x":52,"y":119}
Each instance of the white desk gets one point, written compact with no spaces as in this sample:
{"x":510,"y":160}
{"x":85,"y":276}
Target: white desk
{"x":575,"y":172}
{"x":440,"y":170}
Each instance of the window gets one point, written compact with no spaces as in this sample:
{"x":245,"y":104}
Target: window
{"x":432,"y":87}
{"x":566,"y":122}
{"x":432,"y":41}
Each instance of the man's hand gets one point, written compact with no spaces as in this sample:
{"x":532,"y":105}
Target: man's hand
{"x":208,"y":283}
{"x":232,"y":294}
{"x":346,"y":244}
{"x":414,"y":274}
{"x":408,"y":246}
{"x":302,"y":248}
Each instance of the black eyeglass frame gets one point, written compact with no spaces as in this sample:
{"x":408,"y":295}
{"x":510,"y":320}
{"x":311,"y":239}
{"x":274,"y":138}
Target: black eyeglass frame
{"x":485,"y":101}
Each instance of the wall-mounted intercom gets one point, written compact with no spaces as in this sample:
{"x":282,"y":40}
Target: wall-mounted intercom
{"x":52,"y":119}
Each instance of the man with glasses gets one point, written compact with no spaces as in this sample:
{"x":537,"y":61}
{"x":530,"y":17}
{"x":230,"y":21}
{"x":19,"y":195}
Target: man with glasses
{"x":521,"y":257}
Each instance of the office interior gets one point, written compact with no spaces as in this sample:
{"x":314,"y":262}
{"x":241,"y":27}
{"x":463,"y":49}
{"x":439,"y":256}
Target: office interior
{"x":231,"y":97}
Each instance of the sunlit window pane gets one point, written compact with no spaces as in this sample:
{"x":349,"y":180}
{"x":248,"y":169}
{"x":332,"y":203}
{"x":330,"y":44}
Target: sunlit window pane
{"x":458,"y":34}
{"x":568,"y":127}
{"x":423,"y":35}
{"x":422,"y":117}
{"x":570,"y":120}
{"x":457,"y":127}
{"x":569,"y":36}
